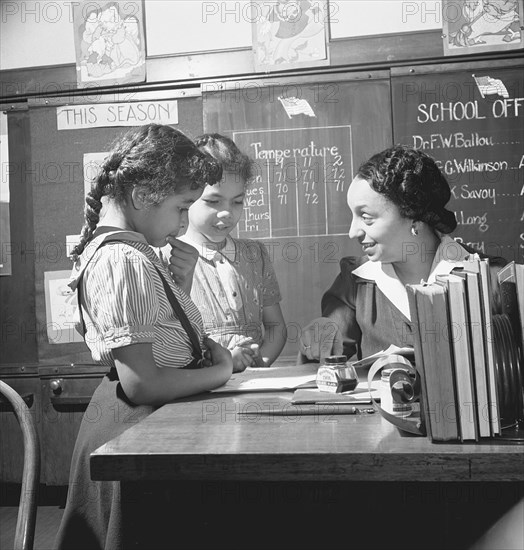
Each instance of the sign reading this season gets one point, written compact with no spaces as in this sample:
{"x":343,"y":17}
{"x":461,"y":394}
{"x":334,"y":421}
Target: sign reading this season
{"x":72,"y":117}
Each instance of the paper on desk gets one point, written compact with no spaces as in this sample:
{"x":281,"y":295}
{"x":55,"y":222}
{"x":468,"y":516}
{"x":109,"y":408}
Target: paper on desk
{"x":366,"y":361}
{"x":360,"y":394}
{"x":271,"y":379}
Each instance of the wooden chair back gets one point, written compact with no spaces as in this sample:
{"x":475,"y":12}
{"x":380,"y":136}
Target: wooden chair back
{"x":26,"y":520}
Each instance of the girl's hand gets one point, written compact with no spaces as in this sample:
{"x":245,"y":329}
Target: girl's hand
{"x":242,"y":358}
{"x":258,"y":360}
{"x":217,"y":354}
{"x":182,"y":263}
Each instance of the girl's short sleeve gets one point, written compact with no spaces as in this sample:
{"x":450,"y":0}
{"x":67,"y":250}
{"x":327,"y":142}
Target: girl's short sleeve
{"x":121,"y":297}
{"x":271,"y":294}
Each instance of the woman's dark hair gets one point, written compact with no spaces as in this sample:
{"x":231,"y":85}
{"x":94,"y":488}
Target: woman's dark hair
{"x":412,"y":181}
{"x":225,"y":151}
{"x":156,"y":158}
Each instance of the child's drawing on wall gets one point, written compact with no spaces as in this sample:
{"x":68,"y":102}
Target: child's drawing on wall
{"x":109,"y":42}
{"x":482,"y":25}
{"x":289,"y":33}
{"x":62,"y":313}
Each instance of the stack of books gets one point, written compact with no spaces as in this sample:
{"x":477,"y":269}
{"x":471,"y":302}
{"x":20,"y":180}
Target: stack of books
{"x":469,"y":360}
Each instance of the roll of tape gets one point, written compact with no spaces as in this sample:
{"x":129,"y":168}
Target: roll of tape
{"x":409,"y":390}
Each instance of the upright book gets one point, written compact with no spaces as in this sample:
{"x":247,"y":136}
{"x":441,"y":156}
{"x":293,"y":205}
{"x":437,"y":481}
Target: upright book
{"x":481,"y":267}
{"x":476,"y":335}
{"x":439,"y":399}
{"x":462,"y":357}
{"x":419,"y":357}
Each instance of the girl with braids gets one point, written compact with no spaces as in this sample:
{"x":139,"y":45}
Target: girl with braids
{"x":398,"y":205}
{"x":126,"y":295}
{"x":234,"y":283}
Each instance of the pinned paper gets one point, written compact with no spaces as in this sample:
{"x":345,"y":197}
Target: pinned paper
{"x":490,"y":86}
{"x":109,"y":42}
{"x":75,"y":117}
{"x":61,"y":305}
{"x":294,"y":106}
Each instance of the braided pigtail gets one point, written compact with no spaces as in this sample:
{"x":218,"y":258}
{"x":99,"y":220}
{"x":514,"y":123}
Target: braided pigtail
{"x":93,"y":206}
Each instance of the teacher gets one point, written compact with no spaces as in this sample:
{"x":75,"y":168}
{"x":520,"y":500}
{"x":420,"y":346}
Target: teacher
{"x":398,"y":205}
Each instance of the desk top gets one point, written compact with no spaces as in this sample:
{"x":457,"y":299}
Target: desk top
{"x":210,"y":437}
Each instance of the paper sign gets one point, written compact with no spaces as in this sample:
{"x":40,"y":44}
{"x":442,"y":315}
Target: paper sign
{"x":73,"y":117}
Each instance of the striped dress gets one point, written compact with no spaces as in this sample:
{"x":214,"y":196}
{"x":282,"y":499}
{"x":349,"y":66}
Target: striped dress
{"x":123,"y":303}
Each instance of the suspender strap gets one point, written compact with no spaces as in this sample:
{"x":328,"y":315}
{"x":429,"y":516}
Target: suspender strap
{"x":175,"y":304}
{"x":182,"y":317}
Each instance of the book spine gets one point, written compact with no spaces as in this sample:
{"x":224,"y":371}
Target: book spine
{"x":419,"y":358}
{"x":462,"y":360}
{"x":494,"y":408}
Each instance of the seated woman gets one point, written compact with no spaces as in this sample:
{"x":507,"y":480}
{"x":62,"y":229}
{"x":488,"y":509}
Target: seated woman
{"x":398,"y":203}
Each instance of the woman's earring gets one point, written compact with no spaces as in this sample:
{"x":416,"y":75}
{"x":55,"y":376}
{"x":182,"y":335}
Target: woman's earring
{"x":414,"y":231}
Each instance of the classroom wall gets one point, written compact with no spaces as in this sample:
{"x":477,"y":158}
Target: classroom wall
{"x":40,"y":33}
{"x":203,"y":57}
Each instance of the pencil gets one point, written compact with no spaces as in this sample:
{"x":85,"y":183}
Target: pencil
{"x":298,"y":410}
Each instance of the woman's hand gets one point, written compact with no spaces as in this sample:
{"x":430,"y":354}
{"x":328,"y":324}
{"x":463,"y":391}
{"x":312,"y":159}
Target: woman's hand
{"x":320,"y":338}
{"x":182,"y":263}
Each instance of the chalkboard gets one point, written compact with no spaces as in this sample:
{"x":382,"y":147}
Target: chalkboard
{"x":298,"y":191}
{"x":307,"y":138}
{"x":56,"y":172}
{"x":471,"y":119}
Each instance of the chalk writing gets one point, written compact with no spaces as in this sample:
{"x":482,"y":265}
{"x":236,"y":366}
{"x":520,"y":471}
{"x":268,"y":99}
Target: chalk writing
{"x":302,"y":176}
{"x":469,"y":110}
{"x":478,"y":144}
{"x":466,"y":192}
{"x":478,"y":220}
{"x":453,"y":166}
{"x":458,"y":140}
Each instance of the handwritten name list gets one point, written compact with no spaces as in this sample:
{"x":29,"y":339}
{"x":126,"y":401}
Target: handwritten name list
{"x":478,"y":142}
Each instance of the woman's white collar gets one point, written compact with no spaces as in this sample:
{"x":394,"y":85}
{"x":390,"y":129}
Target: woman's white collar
{"x":449,"y":256}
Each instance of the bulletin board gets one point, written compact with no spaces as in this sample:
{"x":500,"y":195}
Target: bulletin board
{"x":470,"y":118}
{"x":57,"y":180}
{"x":17,"y":290}
{"x":307,"y":138}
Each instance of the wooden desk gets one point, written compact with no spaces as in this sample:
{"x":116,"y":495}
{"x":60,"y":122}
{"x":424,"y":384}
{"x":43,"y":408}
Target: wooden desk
{"x":207,"y":438}
{"x":305,"y":478}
